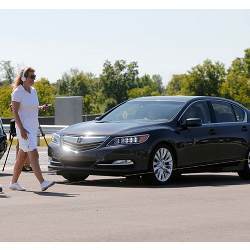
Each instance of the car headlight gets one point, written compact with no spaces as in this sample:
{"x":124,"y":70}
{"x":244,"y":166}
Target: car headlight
{"x":128,"y":140}
{"x":55,"y":138}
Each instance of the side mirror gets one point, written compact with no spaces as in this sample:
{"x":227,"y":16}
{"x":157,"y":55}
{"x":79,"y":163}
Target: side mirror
{"x":192,"y":122}
{"x":97,"y":118}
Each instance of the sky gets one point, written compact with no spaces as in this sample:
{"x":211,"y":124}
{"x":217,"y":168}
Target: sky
{"x":164,"y":42}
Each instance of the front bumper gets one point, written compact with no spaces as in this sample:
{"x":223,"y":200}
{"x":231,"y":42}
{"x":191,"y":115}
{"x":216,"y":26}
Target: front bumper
{"x":101,"y":160}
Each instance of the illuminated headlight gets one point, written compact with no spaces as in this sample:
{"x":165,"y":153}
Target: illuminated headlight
{"x":128,"y":140}
{"x":55,"y":138}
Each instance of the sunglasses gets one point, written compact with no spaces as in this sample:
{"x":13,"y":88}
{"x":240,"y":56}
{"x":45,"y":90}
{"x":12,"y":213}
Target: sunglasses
{"x":33,"y":77}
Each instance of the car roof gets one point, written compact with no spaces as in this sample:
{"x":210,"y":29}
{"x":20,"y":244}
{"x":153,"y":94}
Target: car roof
{"x":179,"y":98}
{"x":166,"y":98}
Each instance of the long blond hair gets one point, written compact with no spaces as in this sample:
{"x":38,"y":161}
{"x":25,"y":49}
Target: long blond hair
{"x":24,"y":72}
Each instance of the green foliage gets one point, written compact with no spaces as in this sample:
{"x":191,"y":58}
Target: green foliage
{"x":46,"y":94}
{"x":5,"y":100}
{"x":121,"y":80}
{"x":94,"y":103}
{"x":75,"y":83}
{"x":117,"y":79}
{"x":246,"y":60}
{"x":7,"y":72}
{"x":202,"y":80}
{"x":176,"y":84}
{"x":205,"y":79}
{"x":147,"y":86}
{"x":237,"y":83}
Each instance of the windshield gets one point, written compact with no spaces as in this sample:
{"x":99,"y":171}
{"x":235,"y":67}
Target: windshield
{"x":144,"y":111}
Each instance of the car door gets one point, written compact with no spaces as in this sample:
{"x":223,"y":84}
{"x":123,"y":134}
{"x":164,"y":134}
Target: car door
{"x":198,"y":144}
{"x":3,"y":138}
{"x":231,"y":129}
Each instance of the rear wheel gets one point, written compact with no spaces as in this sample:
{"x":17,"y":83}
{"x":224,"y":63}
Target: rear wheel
{"x":75,"y":177}
{"x":161,"y":164}
{"x":245,"y":173}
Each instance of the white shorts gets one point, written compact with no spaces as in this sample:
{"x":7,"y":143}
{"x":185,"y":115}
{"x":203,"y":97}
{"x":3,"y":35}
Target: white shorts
{"x":27,"y":145}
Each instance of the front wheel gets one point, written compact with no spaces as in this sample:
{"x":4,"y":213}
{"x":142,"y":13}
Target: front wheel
{"x":161,"y":165}
{"x":75,"y":177}
{"x":245,"y":173}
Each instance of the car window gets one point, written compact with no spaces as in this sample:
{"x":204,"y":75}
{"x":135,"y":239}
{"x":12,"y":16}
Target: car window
{"x":239,"y":113}
{"x":223,"y":112}
{"x":198,"y":110}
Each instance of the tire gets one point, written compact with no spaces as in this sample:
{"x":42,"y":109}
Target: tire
{"x":245,"y":173}
{"x":161,"y":165}
{"x":74,"y":177}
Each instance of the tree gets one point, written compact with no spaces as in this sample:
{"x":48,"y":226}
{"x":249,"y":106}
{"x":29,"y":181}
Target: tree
{"x":246,"y":60}
{"x":158,"y":80}
{"x":147,"y":86}
{"x":46,"y":94}
{"x":205,"y":79}
{"x":5,"y":100}
{"x":237,"y":83}
{"x":117,"y":79}
{"x":176,"y":84}
{"x":7,"y":71}
{"x":75,"y":83}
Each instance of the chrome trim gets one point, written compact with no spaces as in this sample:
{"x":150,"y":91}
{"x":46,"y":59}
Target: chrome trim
{"x":55,"y":163}
{"x":111,"y":164}
{"x":80,"y":140}
{"x":78,"y":147}
{"x":209,"y":164}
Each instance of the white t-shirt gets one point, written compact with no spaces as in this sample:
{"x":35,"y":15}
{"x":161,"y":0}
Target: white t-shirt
{"x":28,"y":111}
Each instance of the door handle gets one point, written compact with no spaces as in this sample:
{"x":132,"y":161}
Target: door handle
{"x":244,"y":128}
{"x":211,"y":131}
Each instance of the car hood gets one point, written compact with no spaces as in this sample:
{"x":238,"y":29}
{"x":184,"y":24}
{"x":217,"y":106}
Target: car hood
{"x":107,"y":128}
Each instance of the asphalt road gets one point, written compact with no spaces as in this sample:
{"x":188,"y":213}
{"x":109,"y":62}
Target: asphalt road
{"x":201,"y":207}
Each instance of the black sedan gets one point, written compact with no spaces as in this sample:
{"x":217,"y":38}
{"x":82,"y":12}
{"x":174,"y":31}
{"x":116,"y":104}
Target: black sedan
{"x":3,"y":140}
{"x":157,"y":138}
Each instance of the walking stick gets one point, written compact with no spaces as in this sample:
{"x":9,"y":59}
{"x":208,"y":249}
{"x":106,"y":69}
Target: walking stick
{"x":43,"y":135}
{"x":11,"y":140}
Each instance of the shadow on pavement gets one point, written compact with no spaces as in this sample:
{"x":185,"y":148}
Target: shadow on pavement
{"x":2,"y":195}
{"x":55,"y":194}
{"x":189,"y":180}
{"x":4,"y":174}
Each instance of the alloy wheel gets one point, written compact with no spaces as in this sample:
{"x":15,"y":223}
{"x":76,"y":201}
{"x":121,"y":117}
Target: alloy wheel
{"x":163,"y":164}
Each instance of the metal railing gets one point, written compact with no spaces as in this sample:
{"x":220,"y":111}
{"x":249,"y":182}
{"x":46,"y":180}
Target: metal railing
{"x":47,"y":129}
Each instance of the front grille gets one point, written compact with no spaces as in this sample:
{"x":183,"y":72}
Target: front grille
{"x":82,"y":147}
